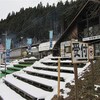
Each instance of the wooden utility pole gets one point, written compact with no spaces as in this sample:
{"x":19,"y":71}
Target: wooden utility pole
{"x":76,"y":81}
{"x":58,"y":96}
{"x":91,"y":57}
{"x":92,"y":76}
{"x":79,"y":55}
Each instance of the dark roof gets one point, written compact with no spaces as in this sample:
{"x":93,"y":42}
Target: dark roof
{"x":75,"y":18}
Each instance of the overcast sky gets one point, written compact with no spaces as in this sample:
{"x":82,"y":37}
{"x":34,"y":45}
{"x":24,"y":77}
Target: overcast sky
{"x":7,"y":6}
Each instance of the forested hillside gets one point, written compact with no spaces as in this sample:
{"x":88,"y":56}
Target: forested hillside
{"x":37,"y":21}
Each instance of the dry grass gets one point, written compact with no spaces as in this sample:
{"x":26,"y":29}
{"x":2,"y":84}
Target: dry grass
{"x":85,"y":87}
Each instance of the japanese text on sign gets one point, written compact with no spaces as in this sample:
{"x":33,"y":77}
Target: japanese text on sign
{"x":79,"y":52}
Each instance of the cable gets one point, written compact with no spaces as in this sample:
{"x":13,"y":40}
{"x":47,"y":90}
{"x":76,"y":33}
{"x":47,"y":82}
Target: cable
{"x":38,"y":19}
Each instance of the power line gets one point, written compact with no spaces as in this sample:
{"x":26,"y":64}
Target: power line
{"x":39,"y":19}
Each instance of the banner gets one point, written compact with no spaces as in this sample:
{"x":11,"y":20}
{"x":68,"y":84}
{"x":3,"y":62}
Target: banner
{"x":8,"y":44}
{"x":29,"y":43}
{"x":8,"y":47}
{"x":50,"y":38}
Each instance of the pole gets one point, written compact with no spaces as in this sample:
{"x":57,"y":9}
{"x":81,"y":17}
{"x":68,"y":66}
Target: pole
{"x":58,"y":78}
{"x":76,"y":81}
{"x":0,"y":59}
{"x":92,"y":75}
{"x":5,"y":52}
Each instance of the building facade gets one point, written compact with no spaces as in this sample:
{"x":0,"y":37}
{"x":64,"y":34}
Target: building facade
{"x":84,"y":27}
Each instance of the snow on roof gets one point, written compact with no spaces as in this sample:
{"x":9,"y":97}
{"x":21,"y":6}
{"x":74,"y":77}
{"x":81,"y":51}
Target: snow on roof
{"x":46,"y":46}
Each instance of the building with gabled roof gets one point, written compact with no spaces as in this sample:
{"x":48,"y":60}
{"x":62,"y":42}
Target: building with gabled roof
{"x":85,"y":27}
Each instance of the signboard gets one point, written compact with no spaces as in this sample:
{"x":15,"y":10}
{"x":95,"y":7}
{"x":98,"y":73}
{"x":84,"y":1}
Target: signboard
{"x":65,"y":48}
{"x":91,"y":52}
{"x":91,"y":38}
{"x":79,"y":52}
{"x":8,"y":46}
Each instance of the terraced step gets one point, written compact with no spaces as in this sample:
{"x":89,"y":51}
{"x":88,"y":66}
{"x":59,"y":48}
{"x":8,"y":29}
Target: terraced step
{"x":31,"y":60}
{"x":63,"y":64}
{"x":26,"y":90}
{"x":44,"y":75}
{"x":7,"y":93}
{"x":35,"y":81}
{"x":2,"y":75}
{"x":61,"y":58}
{"x":26,"y":63}
{"x":7,"y":71}
{"x":14,"y":68}
{"x":22,"y":65}
{"x":54,"y":69}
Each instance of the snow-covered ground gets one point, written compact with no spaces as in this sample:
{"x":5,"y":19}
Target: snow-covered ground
{"x":35,"y":91}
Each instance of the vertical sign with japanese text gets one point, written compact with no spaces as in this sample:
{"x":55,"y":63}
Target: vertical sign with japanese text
{"x":79,"y":52}
{"x":29,"y":43}
{"x":50,"y":37}
{"x":65,"y":49}
{"x":8,"y":47}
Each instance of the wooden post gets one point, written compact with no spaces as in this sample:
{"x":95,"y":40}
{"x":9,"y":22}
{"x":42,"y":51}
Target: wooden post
{"x":0,"y":59}
{"x":92,"y":76}
{"x":5,"y":63}
{"x":58,"y":78}
{"x":76,"y":81}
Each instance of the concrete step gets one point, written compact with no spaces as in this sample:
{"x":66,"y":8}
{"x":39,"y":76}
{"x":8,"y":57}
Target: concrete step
{"x":14,"y":68}
{"x":7,"y":93}
{"x":22,"y":65}
{"x":31,"y":60}
{"x":7,"y":71}
{"x":30,"y":63}
{"x":54,"y":69}
{"x":52,"y":77}
{"x":26,"y":90}
{"x":35,"y":81}
{"x":2,"y":75}
{"x":60,"y":58}
{"x":63,"y":64}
